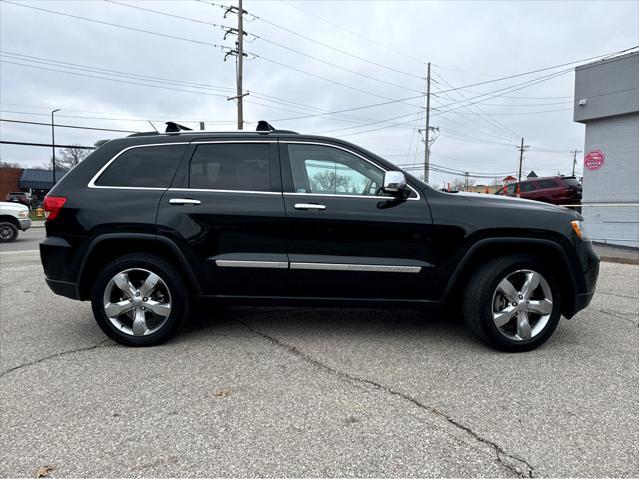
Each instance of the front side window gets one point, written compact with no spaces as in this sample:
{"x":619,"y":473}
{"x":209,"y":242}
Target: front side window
{"x":326,"y":170}
{"x":143,"y":167}
{"x":548,"y":184}
{"x":510,"y":189}
{"x":231,"y":166}
{"x":527,"y":186}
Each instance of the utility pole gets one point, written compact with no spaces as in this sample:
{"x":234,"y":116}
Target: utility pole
{"x":574,"y":159}
{"x":53,"y":144}
{"x":427,"y":129}
{"x":466,"y":179}
{"x":239,"y":54}
{"x":521,"y":149}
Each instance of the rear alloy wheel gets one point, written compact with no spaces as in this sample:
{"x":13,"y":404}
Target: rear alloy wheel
{"x":139,"y":300}
{"x":8,"y":232}
{"x":512,"y":303}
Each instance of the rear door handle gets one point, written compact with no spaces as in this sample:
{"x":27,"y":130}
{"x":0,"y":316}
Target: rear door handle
{"x":309,"y":206}
{"x":184,"y":201}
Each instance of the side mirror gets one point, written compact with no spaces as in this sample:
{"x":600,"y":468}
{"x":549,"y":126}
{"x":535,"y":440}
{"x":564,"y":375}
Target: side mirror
{"x":395,"y":184}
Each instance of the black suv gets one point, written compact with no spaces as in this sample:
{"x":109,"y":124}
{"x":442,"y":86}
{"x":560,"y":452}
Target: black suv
{"x":150,"y":222}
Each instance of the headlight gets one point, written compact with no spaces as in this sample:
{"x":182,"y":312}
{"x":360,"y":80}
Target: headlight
{"x":23,"y":214}
{"x":580,"y":230}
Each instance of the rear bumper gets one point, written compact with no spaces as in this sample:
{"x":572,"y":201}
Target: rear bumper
{"x":56,"y":255}
{"x":63,"y":288}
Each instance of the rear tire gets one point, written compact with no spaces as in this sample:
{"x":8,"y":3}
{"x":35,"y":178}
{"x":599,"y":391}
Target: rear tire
{"x":8,"y":232}
{"x":140,"y":300}
{"x":512,"y":303}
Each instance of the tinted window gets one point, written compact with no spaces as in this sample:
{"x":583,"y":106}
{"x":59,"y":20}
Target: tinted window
{"x":528,"y":186}
{"x":572,"y":181}
{"x":548,"y":184}
{"x":327,"y":170}
{"x":148,"y":166}
{"x":231,"y":166}
{"x":510,"y":189}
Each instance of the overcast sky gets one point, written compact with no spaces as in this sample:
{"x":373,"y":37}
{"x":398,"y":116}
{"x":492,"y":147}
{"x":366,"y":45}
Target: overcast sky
{"x":467,"y":43}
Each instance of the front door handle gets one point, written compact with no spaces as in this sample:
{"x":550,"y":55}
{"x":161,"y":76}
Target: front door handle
{"x":309,"y":206}
{"x":184,"y":201}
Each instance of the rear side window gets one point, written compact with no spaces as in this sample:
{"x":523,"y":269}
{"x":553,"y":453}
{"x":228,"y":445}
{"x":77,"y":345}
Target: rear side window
{"x":143,"y":167}
{"x":548,"y":184}
{"x":528,"y":186}
{"x":231,"y":166}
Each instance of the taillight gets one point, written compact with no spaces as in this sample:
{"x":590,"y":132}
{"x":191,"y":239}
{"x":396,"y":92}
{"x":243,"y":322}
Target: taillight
{"x":53,"y":205}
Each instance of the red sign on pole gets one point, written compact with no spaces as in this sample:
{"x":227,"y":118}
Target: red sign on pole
{"x":594,"y":160}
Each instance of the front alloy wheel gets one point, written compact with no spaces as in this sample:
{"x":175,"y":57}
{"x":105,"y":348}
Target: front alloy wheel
{"x":512,"y":303}
{"x":522,"y":304}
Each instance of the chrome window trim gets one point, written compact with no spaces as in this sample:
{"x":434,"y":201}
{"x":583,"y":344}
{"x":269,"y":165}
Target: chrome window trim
{"x":95,"y":177}
{"x":204,"y":190}
{"x":234,"y":263}
{"x":287,"y":142}
{"x":373,"y":268}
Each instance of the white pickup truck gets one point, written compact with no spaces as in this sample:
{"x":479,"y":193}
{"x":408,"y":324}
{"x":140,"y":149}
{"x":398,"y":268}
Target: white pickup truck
{"x":13,"y":217}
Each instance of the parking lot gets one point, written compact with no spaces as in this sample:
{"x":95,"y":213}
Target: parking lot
{"x":313,"y":392}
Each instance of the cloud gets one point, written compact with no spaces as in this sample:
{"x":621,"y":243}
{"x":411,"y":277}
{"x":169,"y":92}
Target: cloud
{"x":467,"y":42}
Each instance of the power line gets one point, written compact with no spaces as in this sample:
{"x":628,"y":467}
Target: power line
{"x":66,"y":126}
{"x":166,"y":35}
{"x":47,"y":145}
{"x":317,"y":17}
{"x":386,"y":67}
{"x":267,"y":41}
{"x":540,"y":69}
{"x":496,"y":123}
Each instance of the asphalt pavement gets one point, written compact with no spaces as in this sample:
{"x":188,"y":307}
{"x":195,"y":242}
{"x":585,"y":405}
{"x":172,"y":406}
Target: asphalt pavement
{"x":314,"y":392}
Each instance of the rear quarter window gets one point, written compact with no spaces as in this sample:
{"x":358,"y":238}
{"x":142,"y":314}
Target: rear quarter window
{"x":143,"y":167}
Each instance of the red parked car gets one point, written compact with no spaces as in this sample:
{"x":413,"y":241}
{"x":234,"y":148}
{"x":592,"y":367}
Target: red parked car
{"x":558,"y":190}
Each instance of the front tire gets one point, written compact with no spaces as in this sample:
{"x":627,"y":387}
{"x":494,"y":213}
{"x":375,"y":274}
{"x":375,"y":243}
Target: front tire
{"x":512,"y":303}
{"x":140,"y":300}
{"x":8,"y":232}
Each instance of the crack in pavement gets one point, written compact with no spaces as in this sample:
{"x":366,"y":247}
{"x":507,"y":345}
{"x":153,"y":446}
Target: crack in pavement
{"x":617,"y":295}
{"x":504,"y":458}
{"x":101,"y":344}
{"x":618,"y":315}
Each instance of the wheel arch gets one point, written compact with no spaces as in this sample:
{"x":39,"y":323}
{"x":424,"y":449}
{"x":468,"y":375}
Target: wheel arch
{"x":554,"y":257}
{"x":105,"y":248}
{"x":10,"y":219}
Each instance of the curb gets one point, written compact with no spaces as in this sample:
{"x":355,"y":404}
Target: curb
{"x":614,"y":259}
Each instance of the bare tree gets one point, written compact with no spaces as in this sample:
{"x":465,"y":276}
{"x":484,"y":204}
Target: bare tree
{"x":329,"y":181}
{"x":6,"y":164}
{"x":459,"y":184}
{"x":71,"y":157}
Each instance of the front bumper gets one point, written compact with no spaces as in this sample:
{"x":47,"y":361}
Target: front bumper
{"x":25,"y":224}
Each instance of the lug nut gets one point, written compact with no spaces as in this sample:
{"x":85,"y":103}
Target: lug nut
{"x":514,"y":304}
{"x":137,"y":293}
{"x":142,"y":308}
{"x":521,"y":296}
{"x":145,"y":299}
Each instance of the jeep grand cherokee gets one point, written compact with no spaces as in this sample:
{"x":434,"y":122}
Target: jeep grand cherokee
{"x":149,"y":222}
